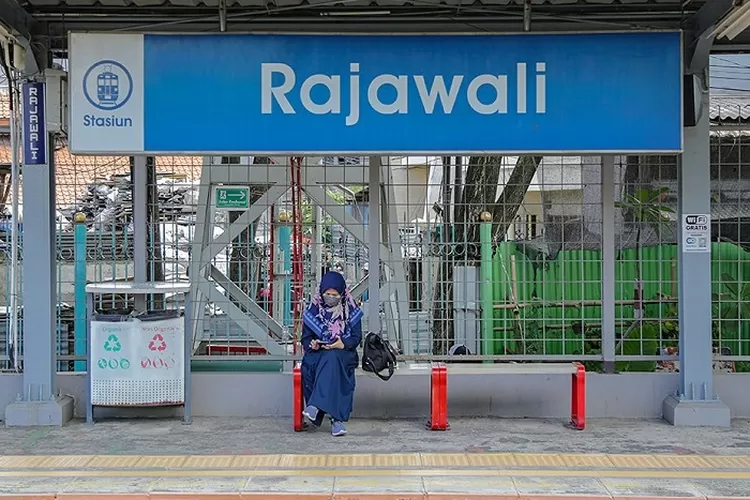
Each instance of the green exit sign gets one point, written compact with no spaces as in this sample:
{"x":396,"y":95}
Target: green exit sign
{"x":232,"y":198}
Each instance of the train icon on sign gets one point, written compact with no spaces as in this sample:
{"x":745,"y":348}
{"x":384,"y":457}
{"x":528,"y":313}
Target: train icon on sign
{"x":107,"y":85}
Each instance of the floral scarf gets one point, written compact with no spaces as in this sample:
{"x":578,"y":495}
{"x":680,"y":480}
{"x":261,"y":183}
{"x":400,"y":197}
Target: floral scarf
{"x":330,"y":323}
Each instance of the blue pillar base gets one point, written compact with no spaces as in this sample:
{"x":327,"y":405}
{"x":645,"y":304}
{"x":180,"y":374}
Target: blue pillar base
{"x":55,"y":413}
{"x":682,"y":412}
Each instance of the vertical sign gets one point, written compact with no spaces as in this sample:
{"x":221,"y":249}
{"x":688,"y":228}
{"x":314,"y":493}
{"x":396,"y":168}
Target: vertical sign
{"x":34,"y":124}
{"x":696,"y":233}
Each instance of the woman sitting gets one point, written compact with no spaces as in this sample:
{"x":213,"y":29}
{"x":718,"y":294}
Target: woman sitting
{"x":331,"y":332}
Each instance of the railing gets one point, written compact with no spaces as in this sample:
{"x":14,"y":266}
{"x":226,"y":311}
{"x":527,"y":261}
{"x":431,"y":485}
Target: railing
{"x":546,"y":262}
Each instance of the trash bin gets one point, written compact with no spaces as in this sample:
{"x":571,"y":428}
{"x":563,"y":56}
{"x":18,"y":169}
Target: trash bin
{"x":138,"y":360}
{"x":160,"y":348}
{"x":111,"y":358}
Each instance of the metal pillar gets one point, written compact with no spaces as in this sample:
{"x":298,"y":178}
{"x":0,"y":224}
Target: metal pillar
{"x":374,"y":246}
{"x":139,"y":178}
{"x":81,"y":318}
{"x":695,"y":404}
{"x":317,"y":250}
{"x":39,"y":291}
{"x":485,"y":238}
{"x":397,"y":309}
{"x":284,"y":272}
{"x":39,"y":403}
{"x":608,"y":262}
{"x":196,"y":272}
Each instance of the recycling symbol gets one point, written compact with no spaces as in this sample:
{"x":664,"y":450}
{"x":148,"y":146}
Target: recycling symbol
{"x":112,"y":344}
{"x":157,"y":343}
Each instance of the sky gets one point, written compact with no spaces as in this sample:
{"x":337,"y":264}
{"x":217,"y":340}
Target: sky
{"x":730,"y":73}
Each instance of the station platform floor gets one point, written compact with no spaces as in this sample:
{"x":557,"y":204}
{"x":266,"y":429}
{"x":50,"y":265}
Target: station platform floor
{"x":262,"y":459}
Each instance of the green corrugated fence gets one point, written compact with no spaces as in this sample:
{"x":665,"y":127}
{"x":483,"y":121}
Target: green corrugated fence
{"x":553,"y":306}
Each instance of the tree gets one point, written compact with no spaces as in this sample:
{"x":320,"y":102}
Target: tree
{"x":645,"y":208}
{"x":476,"y":194}
{"x":479,"y":190}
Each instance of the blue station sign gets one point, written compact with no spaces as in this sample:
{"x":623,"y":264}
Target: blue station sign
{"x":34,"y":123}
{"x":286,"y":93}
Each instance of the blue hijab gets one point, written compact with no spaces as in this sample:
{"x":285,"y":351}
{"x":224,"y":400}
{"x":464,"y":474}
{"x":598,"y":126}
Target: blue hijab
{"x":330,"y":323}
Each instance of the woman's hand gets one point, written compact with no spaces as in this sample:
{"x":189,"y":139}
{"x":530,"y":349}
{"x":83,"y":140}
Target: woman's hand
{"x":335,"y":345}
{"x":314,"y":345}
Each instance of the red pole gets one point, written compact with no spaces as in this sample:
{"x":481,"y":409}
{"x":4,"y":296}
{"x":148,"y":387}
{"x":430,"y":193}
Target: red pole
{"x":295,"y":250}
{"x":297,"y":262}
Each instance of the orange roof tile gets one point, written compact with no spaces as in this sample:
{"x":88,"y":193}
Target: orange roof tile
{"x":74,"y":173}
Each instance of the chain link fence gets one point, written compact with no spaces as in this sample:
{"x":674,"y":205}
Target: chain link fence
{"x":254,"y":235}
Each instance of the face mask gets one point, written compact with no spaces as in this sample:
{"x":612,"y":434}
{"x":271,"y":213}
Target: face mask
{"x":331,"y":300}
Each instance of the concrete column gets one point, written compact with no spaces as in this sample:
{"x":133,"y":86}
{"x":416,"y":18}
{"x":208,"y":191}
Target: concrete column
{"x":39,"y":404}
{"x":39,"y":291}
{"x":608,"y":262}
{"x":139,"y":178}
{"x":695,"y":403}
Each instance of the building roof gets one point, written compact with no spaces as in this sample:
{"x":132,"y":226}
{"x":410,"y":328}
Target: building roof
{"x":75,"y":173}
{"x":730,"y":108}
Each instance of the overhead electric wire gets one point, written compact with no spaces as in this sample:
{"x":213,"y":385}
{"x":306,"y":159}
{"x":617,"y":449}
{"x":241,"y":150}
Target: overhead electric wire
{"x":730,"y":89}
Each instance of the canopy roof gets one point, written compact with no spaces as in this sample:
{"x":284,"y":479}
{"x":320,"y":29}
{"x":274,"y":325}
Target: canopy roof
{"x":61,"y":16}
{"x":51,"y":20}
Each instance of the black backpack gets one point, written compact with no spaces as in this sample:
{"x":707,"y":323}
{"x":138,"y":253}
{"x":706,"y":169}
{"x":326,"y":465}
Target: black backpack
{"x":378,"y":355}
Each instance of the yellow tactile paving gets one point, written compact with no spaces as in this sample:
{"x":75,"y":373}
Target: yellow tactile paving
{"x":445,"y":460}
{"x":21,"y":461}
{"x":161,"y":462}
{"x":659,"y":461}
{"x":538,"y":460}
{"x":728,"y":462}
{"x":636,"y":461}
{"x":256,"y":461}
{"x":114,"y":461}
{"x":208,"y":462}
{"x":364,"y":460}
{"x":594,"y":460}
{"x":491,"y":460}
{"x":683,"y":461}
{"x":303,"y":461}
{"x":424,"y":472}
{"x":406,"y":461}
{"x":397,"y":460}
{"x":66,"y":461}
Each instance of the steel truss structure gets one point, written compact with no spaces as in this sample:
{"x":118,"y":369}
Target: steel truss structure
{"x":213,"y":287}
